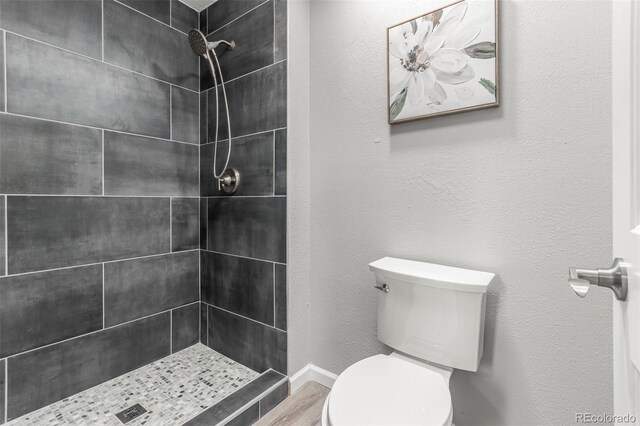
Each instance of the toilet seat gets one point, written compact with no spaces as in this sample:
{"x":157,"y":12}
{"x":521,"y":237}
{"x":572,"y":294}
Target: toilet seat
{"x":383,"y":390}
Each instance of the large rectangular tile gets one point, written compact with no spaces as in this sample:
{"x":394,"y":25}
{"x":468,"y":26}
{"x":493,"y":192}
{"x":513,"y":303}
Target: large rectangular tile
{"x":251,"y":155}
{"x":46,"y":375}
{"x":183,"y":18}
{"x":281,"y":296}
{"x":135,"y":165}
{"x":203,"y":223}
{"x":46,"y":307}
{"x":45,"y":157}
{"x":75,"y":25}
{"x":257,"y":102}
{"x":46,"y":82}
{"x":185,"y":115}
{"x":252,"y":344}
{"x":53,"y":232}
{"x":185,"y":224}
{"x":204,"y":116}
{"x":225,"y":11}
{"x":239,"y":285}
{"x":253,"y":34}
{"x":3,"y":384}
{"x":2,"y":106}
{"x":280,"y":165}
{"x":185,"y":327}
{"x":252,"y":227}
{"x":203,"y":323}
{"x":140,"y":287}
{"x":249,"y":416}
{"x":157,"y":9}
{"x":138,"y":43}
{"x":280,"y":30}
{"x":3,"y":258}
{"x":236,"y":400}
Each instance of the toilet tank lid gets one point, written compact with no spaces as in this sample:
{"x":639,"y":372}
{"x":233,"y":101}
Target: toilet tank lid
{"x":431,"y":274}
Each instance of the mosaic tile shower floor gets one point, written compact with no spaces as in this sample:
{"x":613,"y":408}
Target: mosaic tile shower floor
{"x":172,"y":390}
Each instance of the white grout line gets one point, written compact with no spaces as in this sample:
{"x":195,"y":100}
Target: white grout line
{"x":207,"y":323}
{"x":249,"y":73}
{"x":96,"y":60}
{"x":170,"y":226}
{"x":273,"y":164}
{"x":151,"y":17}
{"x":171,"y":112}
{"x":86,"y":126}
{"x":99,"y":263}
{"x":262,"y":132}
{"x":235,"y":19}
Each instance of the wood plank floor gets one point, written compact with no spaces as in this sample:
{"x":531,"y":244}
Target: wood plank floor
{"x":303,"y":408}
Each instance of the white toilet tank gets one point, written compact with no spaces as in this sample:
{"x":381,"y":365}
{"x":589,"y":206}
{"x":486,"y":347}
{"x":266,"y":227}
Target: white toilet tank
{"x":432,"y":312}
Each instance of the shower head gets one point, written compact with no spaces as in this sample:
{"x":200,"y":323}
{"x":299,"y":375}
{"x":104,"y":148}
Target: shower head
{"x":198,"y":43}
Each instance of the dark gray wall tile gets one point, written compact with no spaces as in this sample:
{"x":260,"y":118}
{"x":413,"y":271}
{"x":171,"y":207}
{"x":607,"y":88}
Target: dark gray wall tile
{"x":135,"y":42}
{"x":281,"y":162}
{"x":75,"y":25}
{"x":185,"y":115}
{"x":203,"y":323}
{"x":158,"y":9}
{"x":42,"y":308}
{"x":52,"y":232}
{"x":185,"y":327}
{"x":224,"y":11}
{"x":203,"y":223}
{"x":253,"y":34}
{"x":248,"y":417}
{"x":2,"y":106}
{"x":203,"y":22}
{"x":46,"y":82}
{"x":239,"y":285}
{"x":139,"y":287}
{"x":252,"y":227}
{"x":185,"y":224}
{"x":40,"y":377}
{"x":280,"y":30}
{"x":236,"y":400}
{"x":3,"y":383}
{"x":255,"y":345}
{"x":251,"y":155}
{"x":204,"y":114}
{"x":183,"y":18}
{"x":281,"y":296}
{"x":44,"y":157}
{"x":135,"y":165}
{"x":274,"y":398}
{"x":257,"y":102}
{"x":3,"y":259}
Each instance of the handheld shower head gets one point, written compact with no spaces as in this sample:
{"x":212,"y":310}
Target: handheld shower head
{"x":198,"y":42}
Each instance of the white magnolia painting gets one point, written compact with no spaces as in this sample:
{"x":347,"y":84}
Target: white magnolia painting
{"x":444,"y":62}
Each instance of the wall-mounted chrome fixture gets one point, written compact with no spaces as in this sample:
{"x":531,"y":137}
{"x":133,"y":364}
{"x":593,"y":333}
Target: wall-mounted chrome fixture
{"x":229,"y":181}
{"x":614,"y":277}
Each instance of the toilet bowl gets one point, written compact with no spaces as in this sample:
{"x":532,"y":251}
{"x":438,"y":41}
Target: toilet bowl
{"x":433,"y":315}
{"x":389,"y":390}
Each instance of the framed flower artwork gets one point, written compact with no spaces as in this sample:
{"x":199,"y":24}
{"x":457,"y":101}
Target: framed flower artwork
{"x":444,"y":62}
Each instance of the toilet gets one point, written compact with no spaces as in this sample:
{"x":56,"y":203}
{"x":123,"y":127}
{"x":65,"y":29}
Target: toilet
{"x":433,"y":317}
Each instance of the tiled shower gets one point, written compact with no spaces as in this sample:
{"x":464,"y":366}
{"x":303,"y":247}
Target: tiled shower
{"x":116,"y":248}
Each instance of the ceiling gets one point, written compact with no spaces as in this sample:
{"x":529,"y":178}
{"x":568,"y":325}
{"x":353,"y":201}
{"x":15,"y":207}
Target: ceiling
{"x":198,"y":5}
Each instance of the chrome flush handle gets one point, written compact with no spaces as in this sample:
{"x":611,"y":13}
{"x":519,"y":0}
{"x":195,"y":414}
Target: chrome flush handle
{"x":383,"y":288}
{"x":614,"y":278}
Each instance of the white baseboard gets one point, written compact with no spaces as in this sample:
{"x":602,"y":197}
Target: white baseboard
{"x":312,"y":373}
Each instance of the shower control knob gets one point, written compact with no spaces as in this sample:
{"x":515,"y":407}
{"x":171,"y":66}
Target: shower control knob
{"x":229,"y":181}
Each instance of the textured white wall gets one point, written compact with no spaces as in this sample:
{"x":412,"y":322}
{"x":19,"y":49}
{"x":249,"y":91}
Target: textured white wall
{"x":522,"y":191}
